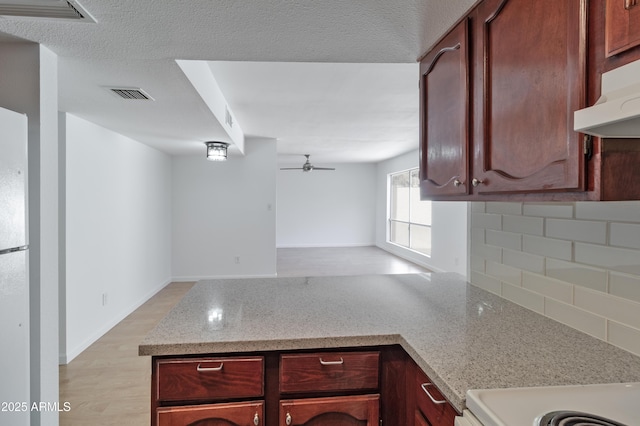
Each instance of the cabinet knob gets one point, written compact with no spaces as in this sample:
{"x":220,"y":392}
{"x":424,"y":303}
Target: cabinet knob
{"x":256,"y":419}
{"x":457,"y":183}
{"x":287,"y":419}
{"x":476,"y":182}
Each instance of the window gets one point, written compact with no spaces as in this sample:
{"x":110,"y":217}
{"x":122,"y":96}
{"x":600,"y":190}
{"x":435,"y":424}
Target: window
{"x":409,"y":218}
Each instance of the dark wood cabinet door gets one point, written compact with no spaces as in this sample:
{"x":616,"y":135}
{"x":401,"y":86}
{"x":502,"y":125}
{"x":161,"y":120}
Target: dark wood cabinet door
{"x":444,"y":116}
{"x":361,"y":410}
{"x":232,"y":414}
{"x":420,"y":420}
{"x":529,"y":78}
{"x":622,"y":28}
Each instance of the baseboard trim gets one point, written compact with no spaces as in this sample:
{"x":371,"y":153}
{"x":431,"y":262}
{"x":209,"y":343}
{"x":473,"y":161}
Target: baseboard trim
{"x":65,"y":358}
{"x":192,"y":278}
{"x":371,"y":244}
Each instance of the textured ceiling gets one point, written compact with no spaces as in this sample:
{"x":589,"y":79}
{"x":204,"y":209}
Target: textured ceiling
{"x":136,"y":43}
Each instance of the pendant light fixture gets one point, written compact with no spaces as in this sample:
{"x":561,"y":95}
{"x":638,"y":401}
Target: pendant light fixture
{"x":216,"y":151}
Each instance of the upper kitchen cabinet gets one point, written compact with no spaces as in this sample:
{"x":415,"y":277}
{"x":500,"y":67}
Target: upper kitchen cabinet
{"x":506,"y":129}
{"x":444,"y":115}
{"x":622,"y":28}
{"x":529,"y":78}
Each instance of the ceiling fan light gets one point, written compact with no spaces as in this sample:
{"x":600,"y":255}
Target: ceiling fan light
{"x":216,"y":151}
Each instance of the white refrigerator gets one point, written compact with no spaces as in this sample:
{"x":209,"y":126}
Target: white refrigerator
{"x":14,"y":280}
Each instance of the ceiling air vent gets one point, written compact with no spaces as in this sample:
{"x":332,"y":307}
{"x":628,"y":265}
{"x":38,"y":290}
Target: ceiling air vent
{"x":130,"y":93}
{"x":50,"y":9}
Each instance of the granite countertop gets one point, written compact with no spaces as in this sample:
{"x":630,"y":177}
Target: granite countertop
{"x":461,"y":336}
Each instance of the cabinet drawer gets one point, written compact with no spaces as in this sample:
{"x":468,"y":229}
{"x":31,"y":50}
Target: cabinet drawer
{"x":431,"y":403}
{"x":239,"y":413}
{"x":330,"y":371}
{"x":198,"y":379}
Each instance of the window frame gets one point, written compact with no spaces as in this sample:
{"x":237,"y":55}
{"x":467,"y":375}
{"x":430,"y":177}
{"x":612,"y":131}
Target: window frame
{"x":390,"y":221}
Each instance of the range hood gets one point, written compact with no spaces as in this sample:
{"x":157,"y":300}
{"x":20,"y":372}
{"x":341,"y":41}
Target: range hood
{"x":617,"y":113}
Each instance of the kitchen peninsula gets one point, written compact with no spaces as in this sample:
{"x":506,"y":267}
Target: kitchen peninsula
{"x":461,"y":336}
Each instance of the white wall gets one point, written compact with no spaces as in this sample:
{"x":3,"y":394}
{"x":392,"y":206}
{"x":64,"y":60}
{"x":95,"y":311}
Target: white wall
{"x":223,"y":211}
{"x":118,"y":229}
{"x":578,"y":263}
{"x":449,"y":229}
{"x":326,"y":208}
{"x":29,"y":84}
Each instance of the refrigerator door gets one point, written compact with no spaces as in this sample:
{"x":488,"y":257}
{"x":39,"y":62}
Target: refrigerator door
{"x":14,"y":332}
{"x":14,"y":282}
{"x":13,"y":175}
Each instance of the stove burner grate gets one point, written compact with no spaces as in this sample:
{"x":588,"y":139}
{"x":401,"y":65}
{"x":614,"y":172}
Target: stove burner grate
{"x":575,"y":418}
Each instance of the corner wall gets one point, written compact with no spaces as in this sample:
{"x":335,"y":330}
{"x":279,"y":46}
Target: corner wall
{"x":118,"y":230}
{"x":224,"y":214}
{"x":448,"y":228}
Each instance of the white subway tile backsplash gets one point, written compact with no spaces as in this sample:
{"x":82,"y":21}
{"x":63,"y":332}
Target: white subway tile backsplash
{"x":486,"y":221}
{"x":486,"y":252}
{"x":546,"y":286}
{"x":559,"y":249}
{"x":579,"y":319}
{"x":577,"y":230}
{"x":620,"y":211}
{"x":626,"y":286}
{"x":574,"y":273}
{"x":523,"y":297}
{"x":549,"y":210}
{"x":617,"y":259}
{"x":504,"y":273}
{"x":625,"y":235}
{"x":523,"y":224}
{"x":478,"y":206}
{"x":526,"y":261}
{"x":477,"y":264}
{"x":485,"y":282}
{"x":477,"y":235}
{"x":502,"y":239}
{"x":504,"y":208}
{"x":578,"y":263}
{"x":612,"y":307}
{"x":624,"y":337}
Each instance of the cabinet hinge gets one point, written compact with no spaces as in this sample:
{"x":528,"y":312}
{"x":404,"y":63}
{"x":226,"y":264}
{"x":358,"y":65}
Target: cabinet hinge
{"x":588,"y":146}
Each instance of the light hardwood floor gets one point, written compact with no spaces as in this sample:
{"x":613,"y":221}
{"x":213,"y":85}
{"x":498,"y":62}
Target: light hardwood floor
{"x":109,"y":384}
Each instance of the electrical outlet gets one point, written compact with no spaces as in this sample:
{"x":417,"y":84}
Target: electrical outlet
{"x":104,"y":299}
{"x":236,"y":259}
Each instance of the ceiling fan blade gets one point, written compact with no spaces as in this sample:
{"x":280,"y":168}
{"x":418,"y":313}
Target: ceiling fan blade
{"x":290,"y":168}
{"x":323,"y":168}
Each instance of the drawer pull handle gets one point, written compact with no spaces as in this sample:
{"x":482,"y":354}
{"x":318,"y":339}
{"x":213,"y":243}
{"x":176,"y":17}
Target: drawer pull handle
{"x":339,"y":362}
{"x":205,"y":369}
{"x":628,"y":4}
{"x":256,"y":419}
{"x":435,"y":401}
{"x":288,"y":419}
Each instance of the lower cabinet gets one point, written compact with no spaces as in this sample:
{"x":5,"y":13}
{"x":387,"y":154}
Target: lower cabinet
{"x":379,"y":386}
{"x":231,"y":414}
{"x":430,"y":407}
{"x":360,"y":410}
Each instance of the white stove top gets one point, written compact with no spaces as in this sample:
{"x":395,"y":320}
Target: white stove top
{"x":525,"y":406}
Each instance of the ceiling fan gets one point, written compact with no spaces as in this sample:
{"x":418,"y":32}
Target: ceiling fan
{"x":307,"y":166}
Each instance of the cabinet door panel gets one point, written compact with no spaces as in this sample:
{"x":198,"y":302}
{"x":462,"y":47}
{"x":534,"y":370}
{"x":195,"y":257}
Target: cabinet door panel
{"x":622,"y":25}
{"x":232,"y":414}
{"x":529,"y":79}
{"x":444,"y":116}
{"x":331,"y":411}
